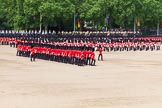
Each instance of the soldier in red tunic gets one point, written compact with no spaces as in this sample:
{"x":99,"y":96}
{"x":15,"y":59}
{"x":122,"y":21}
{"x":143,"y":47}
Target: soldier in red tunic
{"x":100,"y":54}
{"x":32,"y":55}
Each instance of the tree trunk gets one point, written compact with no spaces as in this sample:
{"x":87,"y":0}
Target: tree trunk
{"x":40,"y":24}
{"x":134,"y":25}
{"x":46,"y":29}
{"x":158,"y":29}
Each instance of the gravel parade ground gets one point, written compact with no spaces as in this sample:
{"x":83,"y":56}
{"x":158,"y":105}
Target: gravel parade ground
{"x":122,"y":80}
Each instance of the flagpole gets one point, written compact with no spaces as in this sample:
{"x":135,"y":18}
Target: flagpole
{"x":106,"y":22}
{"x":134,"y":25}
{"x":74,"y":20}
{"x":107,"y":19}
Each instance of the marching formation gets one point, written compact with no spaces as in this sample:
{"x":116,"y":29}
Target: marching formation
{"x":76,"y":48}
{"x":136,"y":44}
{"x":76,"y":57}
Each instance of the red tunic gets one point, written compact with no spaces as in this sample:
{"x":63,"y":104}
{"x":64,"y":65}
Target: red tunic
{"x":100,"y":50}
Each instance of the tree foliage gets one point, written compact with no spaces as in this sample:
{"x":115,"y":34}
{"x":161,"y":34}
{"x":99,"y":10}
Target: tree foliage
{"x":29,"y":14}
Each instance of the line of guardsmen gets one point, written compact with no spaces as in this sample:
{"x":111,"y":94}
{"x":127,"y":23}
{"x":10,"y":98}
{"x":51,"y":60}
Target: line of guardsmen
{"x":76,"y":57}
{"x":131,"y":46}
{"x":77,"y":42}
{"x":108,"y":43}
